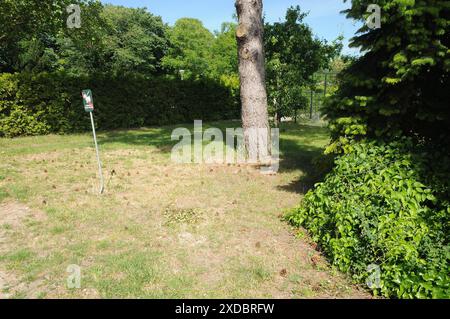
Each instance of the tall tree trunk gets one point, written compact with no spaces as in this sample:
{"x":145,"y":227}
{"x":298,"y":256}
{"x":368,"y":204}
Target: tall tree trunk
{"x":252,"y":74}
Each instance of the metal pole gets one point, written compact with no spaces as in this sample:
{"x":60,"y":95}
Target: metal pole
{"x":312,"y":96}
{"x":102,"y":185}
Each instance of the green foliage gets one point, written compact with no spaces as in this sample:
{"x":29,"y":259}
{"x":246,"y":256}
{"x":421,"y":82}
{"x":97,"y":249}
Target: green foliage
{"x":293,"y":55}
{"x":14,"y":117}
{"x":118,"y":53}
{"x":120,"y":102}
{"x":387,"y":200}
{"x":386,"y":205}
{"x":111,"y":39}
{"x":224,"y":53}
{"x":32,"y":31}
{"x":135,"y":40}
{"x":21,"y":20}
{"x":400,"y":84}
{"x":191,"y":48}
{"x":196,"y":53}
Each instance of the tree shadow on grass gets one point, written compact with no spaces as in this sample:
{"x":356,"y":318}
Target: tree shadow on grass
{"x":300,"y":146}
{"x":159,"y":137}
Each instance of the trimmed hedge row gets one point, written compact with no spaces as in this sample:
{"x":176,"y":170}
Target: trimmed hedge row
{"x":32,"y":104}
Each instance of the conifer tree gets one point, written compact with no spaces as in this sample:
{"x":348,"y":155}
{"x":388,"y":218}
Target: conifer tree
{"x":400,"y":85}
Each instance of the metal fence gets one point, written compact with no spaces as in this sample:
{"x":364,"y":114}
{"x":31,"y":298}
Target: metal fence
{"x":325,"y":83}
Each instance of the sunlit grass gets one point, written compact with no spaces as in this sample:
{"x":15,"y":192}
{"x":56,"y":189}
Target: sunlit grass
{"x":161,"y":230}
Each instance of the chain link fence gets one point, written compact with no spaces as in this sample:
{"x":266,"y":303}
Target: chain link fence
{"x":325,"y":82}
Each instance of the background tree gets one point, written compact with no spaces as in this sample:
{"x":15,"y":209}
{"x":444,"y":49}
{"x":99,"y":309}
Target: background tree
{"x":293,"y":55}
{"x":38,"y":39}
{"x":250,"y":34}
{"x":224,"y":59}
{"x":190,"y":50}
{"x":82,"y":51}
{"x":114,"y":40}
{"x":136,"y":40}
{"x":27,"y":23}
{"x":400,"y":84}
{"x":118,"y":53}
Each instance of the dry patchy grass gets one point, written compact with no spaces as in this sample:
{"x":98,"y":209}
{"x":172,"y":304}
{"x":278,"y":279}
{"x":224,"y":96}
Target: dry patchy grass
{"x":161,"y":230}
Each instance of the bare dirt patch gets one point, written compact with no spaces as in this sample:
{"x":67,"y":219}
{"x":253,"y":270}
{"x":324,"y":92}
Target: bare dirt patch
{"x":6,"y":281}
{"x":42,"y":157}
{"x":12,"y":217}
{"x":13,"y":214}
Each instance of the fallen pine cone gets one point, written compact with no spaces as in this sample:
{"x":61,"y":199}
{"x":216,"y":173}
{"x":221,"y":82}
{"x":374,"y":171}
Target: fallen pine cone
{"x":315,"y":260}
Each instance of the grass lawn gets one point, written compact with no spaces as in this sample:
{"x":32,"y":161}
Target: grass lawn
{"x":161,"y":230}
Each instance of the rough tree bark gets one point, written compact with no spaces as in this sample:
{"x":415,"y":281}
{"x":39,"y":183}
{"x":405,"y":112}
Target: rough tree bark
{"x":252,"y":74}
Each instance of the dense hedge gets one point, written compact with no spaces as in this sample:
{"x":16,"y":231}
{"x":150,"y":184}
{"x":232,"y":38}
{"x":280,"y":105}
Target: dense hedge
{"x":385,"y":205}
{"x":43,"y":103}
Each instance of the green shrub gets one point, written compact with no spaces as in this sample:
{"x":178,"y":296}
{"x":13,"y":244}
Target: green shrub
{"x":42,"y":103}
{"x":385,"y":205}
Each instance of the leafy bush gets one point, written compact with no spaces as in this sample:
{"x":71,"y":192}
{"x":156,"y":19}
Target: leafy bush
{"x":14,"y":118}
{"x":32,"y":104}
{"x":385,"y":205}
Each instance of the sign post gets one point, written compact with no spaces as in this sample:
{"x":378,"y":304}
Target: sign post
{"x":88,"y":103}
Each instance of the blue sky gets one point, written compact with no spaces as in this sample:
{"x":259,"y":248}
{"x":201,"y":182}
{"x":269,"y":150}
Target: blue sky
{"x":324,"y":17}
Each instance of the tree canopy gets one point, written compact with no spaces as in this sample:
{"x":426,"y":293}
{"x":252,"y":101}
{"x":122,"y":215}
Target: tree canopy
{"x":399,"y":86}
{"x":190,"y":50}
{"x":293,"y":55}
{"x":116,"y":41}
